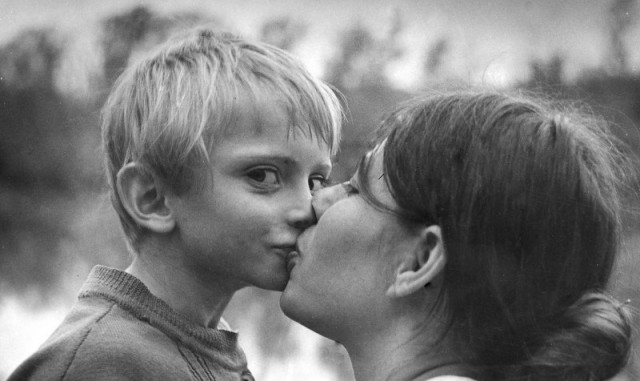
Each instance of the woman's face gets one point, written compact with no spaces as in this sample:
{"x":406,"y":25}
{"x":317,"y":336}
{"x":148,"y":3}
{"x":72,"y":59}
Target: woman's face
{"x":345,"y":263}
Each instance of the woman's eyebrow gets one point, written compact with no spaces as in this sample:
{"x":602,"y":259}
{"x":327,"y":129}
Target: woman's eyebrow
{"x":362,"y":172}
{"x":364,"y":164}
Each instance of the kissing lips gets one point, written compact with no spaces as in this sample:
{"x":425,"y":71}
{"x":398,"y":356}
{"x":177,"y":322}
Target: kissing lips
{"x":291,"y":259}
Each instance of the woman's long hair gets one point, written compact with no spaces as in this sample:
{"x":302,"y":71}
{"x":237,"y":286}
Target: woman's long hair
{"x":528,"y":199}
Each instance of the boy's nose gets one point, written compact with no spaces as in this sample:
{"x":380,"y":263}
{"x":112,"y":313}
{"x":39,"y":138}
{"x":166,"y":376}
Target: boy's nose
{"x":301,"y":214}
{"x":302,"y":218}
{"x":324,"y":198}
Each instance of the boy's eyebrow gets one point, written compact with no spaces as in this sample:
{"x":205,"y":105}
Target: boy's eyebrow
{"x":287,"y":160}
{"x":283,"y":158}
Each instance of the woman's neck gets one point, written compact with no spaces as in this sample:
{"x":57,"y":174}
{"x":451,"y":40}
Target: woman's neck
{"x":403,"y":353}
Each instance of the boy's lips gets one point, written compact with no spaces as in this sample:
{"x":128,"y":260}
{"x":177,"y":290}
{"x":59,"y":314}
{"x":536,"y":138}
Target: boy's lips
{"x":284,"y":250}
{"x":294,"y":254}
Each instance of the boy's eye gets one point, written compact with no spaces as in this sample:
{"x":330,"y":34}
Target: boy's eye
{"x":317,"y":183}
{"x":264,"y":176}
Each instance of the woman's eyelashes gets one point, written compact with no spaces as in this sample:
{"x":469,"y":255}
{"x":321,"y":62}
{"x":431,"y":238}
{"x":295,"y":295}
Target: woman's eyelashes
{"x":350,"y":187}
{"x":318,"y":182}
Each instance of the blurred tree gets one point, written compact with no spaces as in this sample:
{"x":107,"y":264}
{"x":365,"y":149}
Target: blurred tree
{"x":355,"y":45}
{"x":29,"y":60}
{"x":140,"y":29}
{"x":121,"y":34}
{"x":617,"y":99}
{"x":623,"y":14}
{"x":45,"y":161}
{"x":362,"y":59}
{"x":435,"y":57}
{"x":547,"y":76}
{"x":37,"y":135}
{"x":282,"y":32}
{"x":358,"y":71}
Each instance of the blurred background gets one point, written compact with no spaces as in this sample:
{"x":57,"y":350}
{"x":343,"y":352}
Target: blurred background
{"x":59,"y":59}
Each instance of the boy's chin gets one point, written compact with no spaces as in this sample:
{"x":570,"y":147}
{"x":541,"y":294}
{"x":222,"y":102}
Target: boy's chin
{"x":277,"y":283}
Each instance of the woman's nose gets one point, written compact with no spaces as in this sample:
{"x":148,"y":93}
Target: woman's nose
{"x":324,"y":198}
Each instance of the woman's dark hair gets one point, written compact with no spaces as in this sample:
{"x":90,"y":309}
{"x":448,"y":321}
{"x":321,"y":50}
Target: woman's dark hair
{"x":528,"y":200}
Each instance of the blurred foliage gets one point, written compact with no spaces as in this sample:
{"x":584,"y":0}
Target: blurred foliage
{"x":435,"y":57}
{"x":362,"y":58}
{"x":140,"y":30}
{"x":45,"y":143}
{"x":55,"y":218}
{"x":623,"y":15}
{"x":282,"y":32}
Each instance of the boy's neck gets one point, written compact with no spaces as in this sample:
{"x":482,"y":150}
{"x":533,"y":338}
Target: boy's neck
{"x":185,"y":293}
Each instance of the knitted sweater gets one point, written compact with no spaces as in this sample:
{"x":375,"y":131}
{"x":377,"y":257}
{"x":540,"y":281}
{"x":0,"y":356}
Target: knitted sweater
{"x":118,"y":330}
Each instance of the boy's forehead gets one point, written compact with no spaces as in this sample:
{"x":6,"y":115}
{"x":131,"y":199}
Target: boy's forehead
{"x":262,"y":114}
{"x":253,"y":115}
{"x":262,"y":127}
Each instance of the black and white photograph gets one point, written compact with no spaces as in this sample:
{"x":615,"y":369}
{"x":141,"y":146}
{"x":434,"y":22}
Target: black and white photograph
{"x":339,"y":190}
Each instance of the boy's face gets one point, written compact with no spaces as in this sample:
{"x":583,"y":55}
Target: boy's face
{"x":238,"y":229}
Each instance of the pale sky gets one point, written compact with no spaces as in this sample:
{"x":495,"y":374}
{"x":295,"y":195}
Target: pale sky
{"x":491,"y":40}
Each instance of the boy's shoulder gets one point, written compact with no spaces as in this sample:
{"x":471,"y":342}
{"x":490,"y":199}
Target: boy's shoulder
{"x":100,"y":340}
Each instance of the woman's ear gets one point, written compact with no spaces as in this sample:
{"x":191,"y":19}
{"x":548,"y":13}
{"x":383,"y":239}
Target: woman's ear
{"x":418,"y":269}
{"x":144,"y":199}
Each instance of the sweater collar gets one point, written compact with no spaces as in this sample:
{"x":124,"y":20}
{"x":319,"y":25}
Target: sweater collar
{"x":132,"y":295}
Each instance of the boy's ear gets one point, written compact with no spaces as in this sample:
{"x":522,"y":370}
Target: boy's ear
{"x":144,"y":199}
{"x":419,"y":268}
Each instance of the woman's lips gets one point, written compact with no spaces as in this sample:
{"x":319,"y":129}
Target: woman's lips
{"x":284,"y":250}
{"x":291,"y":259}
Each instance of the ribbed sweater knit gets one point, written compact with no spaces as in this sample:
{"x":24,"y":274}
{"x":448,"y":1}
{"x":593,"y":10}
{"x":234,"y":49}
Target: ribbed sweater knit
{"x":117,"y":330}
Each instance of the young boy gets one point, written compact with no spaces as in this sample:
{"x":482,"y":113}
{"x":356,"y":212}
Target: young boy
{"x":213,"y":148}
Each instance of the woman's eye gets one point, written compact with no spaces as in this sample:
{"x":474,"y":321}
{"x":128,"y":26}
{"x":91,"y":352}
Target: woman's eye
{"x":264,"y":176}
{"x":317,"y":183}
{"x":349,"y":188}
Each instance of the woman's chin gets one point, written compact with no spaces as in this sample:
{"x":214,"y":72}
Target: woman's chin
{"x":288,"y":301}
{"x":294,"y":306}
{"x":302,"y":311}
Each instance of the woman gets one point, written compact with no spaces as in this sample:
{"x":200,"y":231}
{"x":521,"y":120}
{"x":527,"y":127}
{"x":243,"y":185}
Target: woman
{"x":475,"y":242}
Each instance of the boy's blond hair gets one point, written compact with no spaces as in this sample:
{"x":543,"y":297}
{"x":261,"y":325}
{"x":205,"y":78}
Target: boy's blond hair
{"x":168,"y":111}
